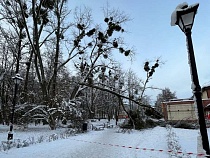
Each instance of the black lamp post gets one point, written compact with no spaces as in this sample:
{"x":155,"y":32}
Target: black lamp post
{"x":17,"y":80}
{"x":184,"y":16}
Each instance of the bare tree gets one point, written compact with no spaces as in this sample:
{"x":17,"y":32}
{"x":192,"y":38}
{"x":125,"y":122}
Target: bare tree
{"x":40,"y":36}
{"x":164,"y":96}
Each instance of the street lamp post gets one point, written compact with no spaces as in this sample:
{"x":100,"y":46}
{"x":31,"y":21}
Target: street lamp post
{"x":17,"y":80}
{"x":184,"y":16}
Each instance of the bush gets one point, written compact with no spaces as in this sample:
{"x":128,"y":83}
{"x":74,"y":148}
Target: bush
{"x":150,"y":123}
{"x":184,"y":125}
{"x":153,"y":113}
{"x":139,"y":122}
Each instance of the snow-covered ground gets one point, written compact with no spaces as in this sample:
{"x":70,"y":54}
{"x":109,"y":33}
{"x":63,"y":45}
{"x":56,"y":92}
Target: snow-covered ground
{"x":107,"y":143}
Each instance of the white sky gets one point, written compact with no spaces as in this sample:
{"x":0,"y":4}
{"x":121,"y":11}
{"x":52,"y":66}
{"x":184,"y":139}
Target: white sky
{"x":152,"y":36}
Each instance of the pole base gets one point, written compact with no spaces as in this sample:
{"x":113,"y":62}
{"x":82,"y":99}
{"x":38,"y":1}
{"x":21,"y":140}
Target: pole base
{"x":10,"y":136}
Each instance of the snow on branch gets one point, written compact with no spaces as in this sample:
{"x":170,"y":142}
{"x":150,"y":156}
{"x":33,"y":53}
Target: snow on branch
{"x":39,"y":107}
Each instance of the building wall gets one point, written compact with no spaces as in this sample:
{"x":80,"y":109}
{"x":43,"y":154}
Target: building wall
{"x":204,"y":95}
{"x":180,"y":109}
{"x":181,"y":112}
{"x":206,"y":92}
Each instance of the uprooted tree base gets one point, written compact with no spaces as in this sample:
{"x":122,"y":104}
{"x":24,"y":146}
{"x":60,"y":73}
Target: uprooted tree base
{"x":138,"y":122}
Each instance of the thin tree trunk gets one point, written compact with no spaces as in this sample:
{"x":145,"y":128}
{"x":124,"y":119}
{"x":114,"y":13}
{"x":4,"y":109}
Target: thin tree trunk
{"x":25,"y":89}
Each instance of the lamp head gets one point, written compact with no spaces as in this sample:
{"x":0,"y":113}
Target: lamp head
{"x":184,"y":16}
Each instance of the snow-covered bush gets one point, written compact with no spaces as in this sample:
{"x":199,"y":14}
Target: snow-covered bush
{"x":18,"y":143}
{"x":68,"y":112}
{"x":6,"y":145}
{"x":40,"y":139}
{"x":173,"y":144}
{"x":140,"y":121}
{"x":186,"y":125}
{"x":53,"y":137}
{"x":73,"y":114}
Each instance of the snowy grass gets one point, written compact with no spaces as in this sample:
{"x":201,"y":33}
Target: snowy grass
{"x":173,"y":144}
{"x":40,"y":141}
{"x":23,"y":137}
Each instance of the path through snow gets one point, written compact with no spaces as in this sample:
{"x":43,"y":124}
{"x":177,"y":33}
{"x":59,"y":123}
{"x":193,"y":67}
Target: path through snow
{"x":99,"y":144}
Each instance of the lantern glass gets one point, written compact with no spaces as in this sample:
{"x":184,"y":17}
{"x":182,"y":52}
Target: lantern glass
{"x":186,"y":21}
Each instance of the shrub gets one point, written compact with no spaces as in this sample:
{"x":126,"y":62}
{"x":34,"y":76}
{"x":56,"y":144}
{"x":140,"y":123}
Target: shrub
{"x":184,"y":125}
{"x":140,"y":122}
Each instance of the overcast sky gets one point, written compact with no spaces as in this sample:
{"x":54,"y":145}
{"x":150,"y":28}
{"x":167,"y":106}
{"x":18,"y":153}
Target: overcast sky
{"x":152,"y":36}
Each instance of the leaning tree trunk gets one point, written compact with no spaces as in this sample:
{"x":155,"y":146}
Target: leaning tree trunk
{"x":128,"y":113}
